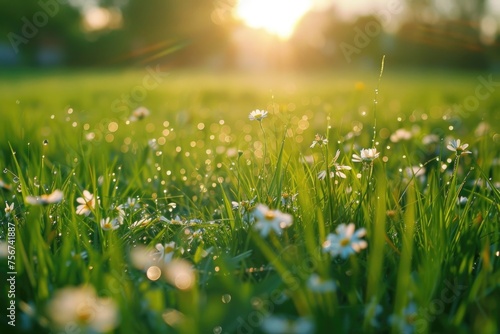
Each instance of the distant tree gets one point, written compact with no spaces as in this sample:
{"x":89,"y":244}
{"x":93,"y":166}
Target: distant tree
{"x":419,"y":10}
{"x":31,"y":26}
{"x":323,"y":39}
{"x":156,"y":26}
{"x":441,"y":34}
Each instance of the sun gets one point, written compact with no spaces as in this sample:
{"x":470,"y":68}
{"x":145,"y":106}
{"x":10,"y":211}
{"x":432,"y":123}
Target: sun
{"x":277,"y":17}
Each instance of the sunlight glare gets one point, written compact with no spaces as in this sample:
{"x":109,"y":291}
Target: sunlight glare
{"x":278,"y":17}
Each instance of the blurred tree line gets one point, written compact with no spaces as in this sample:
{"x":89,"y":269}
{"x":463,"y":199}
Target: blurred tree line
{"x":199,"y":33}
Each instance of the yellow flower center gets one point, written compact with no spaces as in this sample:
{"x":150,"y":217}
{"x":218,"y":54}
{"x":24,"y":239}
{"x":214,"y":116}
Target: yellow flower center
{"x":84,"y":314}
{"x":411,"y":318}
{"x":269,"y":215}
{"x":344,"y":242}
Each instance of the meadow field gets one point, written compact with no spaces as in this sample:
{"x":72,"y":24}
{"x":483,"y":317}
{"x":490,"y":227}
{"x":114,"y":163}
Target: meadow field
{"x":156,"y":201}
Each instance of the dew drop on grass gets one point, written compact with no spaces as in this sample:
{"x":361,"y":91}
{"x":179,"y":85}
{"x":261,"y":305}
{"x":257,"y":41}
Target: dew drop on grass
{"x":45,"y":142}
{"x":15,"y":179}
{"x":217,"y":330}
{"x":226,"y":298}
{"x":5,"y":170}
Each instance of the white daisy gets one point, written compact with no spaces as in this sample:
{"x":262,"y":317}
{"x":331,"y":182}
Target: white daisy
{"x":80,"y":307}
{"x":336,"y":169}
{"x":44,"y":199}
{"x":87,"y":203}
{"x":9,"y":208}
{"x":366,"y":155}
{"x":345,"y":242}
{"x":257,"y":115}
{"x":165,"y":252}
{"x":319,"y":141}
{"x":267,"y":220}
{"x":110,"y":224}
{"x":139,"y":113}
{"x":459,"y":149}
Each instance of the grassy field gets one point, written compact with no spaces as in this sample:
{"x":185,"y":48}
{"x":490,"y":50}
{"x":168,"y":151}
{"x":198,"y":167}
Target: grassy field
{"x":150,"y":202}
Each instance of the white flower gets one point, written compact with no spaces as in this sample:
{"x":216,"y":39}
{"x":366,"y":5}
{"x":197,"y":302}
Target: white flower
{"x":194,"y":235}
{"x":118,"y":213}
{"x":77,"y":257}
{"x":4,"y":185}
{"x":462,"y":200}
{"x":335,"y":168}
{"x":319,"y":140}
{"x":400,"y":134}
{"x":282,"y":325}
{"x":87,"y":203}
{"x":153,"y":144}
{"x":366,"y":155}
{"x":45,"y":199}
{"x":267,"y":220}
{"x":243,"y":206}
{"x":90,"y":136}
{"x":180,"y":273}
{"x":257,"y":115}
{"x":372,"y":311}
{"x":406,"y":321}
{"x":165,"y":252}
{"x":80,"y":307}
{"x":318,"y":284}
{"x":415,"y":171}
{"x":306,"y":159}
{"x":143,"y":258}
{"x":171,"y":206}
{"x":139,"y":113}
{"x":141,"y":222}
{"x":110,"y":224}
{"x":9,"y":208}
{"x":131,"y":203}
{"x":459,"y":149}
{"x":345,"y":242}
{"x":482,"y":129}
{"x":322,"y":174}
{"x":288,"y":199}
{"x":430,"y":139}
{"x":174,"y":221}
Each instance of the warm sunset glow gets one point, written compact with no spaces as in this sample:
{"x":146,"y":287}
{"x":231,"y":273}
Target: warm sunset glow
{"x":278,"y":17}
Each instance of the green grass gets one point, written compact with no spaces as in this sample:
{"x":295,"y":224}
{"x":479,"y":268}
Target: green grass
{"x":431,"y":264}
